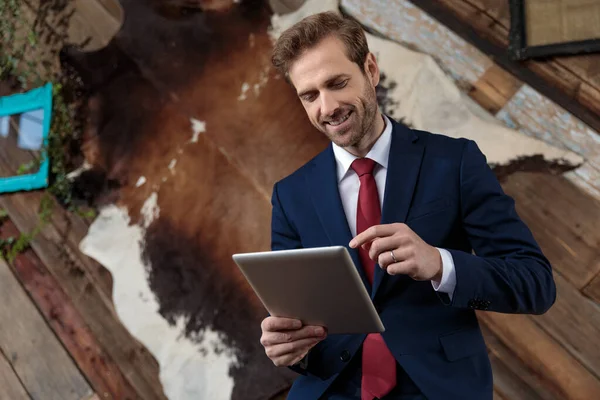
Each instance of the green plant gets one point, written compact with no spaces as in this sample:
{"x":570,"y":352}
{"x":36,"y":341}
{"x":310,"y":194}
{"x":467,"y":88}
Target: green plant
{"x":23,"y":32}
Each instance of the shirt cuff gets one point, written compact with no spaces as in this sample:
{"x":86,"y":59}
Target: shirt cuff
{"x":448,"y":282}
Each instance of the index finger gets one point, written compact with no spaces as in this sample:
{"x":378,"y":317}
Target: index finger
{"x":274,"y":324}
{"x":371,"y":234}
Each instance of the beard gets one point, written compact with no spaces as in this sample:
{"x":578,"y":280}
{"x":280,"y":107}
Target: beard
{"x":362,"y":120}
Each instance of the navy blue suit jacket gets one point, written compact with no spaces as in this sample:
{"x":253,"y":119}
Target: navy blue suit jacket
{"x":443,"y":189}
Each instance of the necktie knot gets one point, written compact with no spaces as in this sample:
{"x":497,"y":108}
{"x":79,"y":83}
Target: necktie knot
{"x":363,"y":166}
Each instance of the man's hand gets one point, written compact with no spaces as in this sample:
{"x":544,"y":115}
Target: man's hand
{"x":414,"y":257}
{"x":286,"y":341}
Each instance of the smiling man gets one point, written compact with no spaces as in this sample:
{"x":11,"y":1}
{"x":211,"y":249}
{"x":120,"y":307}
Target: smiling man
{"x":428,"y":226}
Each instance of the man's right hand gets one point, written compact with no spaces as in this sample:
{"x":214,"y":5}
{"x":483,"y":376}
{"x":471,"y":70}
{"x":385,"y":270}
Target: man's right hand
{"x":287,"y":341}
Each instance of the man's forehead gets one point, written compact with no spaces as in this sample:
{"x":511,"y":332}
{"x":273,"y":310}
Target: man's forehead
{"x":317,"y":66}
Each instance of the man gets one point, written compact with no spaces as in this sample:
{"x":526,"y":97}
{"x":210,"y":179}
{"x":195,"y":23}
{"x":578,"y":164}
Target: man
{"x":427,"y":224}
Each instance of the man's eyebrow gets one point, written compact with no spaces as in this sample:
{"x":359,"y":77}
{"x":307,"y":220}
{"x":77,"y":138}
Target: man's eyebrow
{"x":328,"y":82}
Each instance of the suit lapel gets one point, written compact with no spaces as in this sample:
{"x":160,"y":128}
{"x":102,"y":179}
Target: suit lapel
{"x":404,"y":164}
{"x":323,"y":188}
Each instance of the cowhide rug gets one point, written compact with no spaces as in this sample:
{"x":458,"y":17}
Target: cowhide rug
{"x":188,"y":128}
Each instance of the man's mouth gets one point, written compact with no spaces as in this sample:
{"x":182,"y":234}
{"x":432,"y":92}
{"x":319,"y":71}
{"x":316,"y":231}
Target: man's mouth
{"x":340,"y":120}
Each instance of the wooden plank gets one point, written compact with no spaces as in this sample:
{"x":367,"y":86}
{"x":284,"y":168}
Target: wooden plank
{"x":37,"y":357}
{"x":551,"y":78}
{"x":507,"y":382}
{"x":57,"y":248}
{"x":498,"y":396}
{"x":574,"y":321}
{"x":563,"y":219}
{"x":95,"y":23}
{"x":70,"y":227}
{"x":543,"y":355}
{"x":58,"y":310}
{"x":513,"y":379}
{"x":592,"y":290}
{"x":494,"y":89}
{"x":534,"y":115}
{"x":11,"y":387}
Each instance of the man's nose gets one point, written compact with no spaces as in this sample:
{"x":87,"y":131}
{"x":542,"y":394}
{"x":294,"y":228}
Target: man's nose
{"x":328,"y":104}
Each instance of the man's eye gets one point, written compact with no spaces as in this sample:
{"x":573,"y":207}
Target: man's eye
{"x":341,"y":84}
{"x":308,"y":97}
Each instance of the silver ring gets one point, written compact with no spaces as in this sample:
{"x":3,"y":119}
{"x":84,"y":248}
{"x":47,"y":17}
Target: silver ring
{"x":393,"y":256}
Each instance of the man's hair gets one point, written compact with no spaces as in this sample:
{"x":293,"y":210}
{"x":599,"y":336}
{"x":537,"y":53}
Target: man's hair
{"x":307,"y":33}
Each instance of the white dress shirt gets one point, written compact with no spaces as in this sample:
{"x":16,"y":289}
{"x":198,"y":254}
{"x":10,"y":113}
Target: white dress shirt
{"x":349,"y":184}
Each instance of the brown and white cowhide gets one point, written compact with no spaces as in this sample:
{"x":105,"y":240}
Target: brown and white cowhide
{"x":188,"y":129}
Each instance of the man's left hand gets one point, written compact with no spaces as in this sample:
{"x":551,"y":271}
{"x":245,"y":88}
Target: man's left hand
{"x":414,"y":257}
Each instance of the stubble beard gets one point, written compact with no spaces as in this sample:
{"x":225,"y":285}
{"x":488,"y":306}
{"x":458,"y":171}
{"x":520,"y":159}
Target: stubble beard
{"x":366,"y":120}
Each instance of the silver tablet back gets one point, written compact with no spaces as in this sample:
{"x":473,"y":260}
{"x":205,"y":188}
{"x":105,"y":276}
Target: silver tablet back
{"x":319,"y":286}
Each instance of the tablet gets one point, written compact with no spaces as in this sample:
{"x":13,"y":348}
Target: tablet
{"x":319,"y":286}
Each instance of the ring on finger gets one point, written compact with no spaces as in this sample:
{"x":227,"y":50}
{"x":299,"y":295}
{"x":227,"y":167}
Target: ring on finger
{"x":393,"y":256}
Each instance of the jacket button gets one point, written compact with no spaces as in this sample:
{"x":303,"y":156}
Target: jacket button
{"x":345,"y":356}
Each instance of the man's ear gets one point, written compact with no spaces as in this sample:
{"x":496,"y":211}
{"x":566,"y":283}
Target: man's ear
{"x":372,"y":69}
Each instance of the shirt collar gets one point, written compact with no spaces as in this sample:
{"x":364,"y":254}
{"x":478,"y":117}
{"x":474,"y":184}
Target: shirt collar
{"x":379,"y":152}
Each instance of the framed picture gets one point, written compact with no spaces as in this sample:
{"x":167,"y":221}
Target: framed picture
{"x":24,"y":126}
{"x":540,"y":28}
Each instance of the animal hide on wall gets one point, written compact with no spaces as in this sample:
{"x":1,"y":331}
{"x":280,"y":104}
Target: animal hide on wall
{"x":189,"y":128}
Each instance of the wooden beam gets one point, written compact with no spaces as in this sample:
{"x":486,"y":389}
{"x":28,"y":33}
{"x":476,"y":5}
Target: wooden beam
{"x":58,"y":310}
{"x":494,"y":89}
{"x":551,"y":78}
{"x":11,"y":387}
{"x":37,"y":357}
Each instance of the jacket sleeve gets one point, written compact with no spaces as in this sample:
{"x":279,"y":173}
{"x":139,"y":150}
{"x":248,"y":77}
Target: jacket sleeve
{"x":283,"y":233}
{"x":507,"y":271}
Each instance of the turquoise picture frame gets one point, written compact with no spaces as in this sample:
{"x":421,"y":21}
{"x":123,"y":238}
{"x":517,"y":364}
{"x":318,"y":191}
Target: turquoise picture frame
{"x":40,"y":98}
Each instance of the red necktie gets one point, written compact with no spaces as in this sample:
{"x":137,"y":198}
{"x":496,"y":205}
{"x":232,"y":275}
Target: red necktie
{"x":378,"y":363}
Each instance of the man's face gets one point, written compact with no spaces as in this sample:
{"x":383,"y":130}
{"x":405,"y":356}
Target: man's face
{"x":339,"y":99}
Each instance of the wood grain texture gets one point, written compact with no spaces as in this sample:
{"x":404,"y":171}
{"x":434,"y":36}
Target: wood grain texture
{"x":574,"y":321}
{"x":10,"y":385}
{"x":58,"y":310}
{"x":57,"y":248}
{"x":494,"y":89}
{"x":513,"y":379}
{"x":498,"y":396}
{"x":38,"y":358}
{"x":564,"y":221}
{"x":543,"y":355}
{"x":592,"y":290}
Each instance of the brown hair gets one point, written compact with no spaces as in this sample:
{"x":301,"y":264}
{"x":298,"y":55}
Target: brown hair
{"x":311,"y":30}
